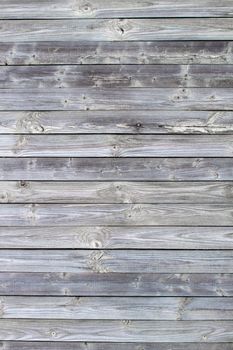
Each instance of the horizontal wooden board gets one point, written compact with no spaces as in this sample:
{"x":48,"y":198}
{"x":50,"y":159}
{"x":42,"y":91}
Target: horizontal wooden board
{"x":116,"y":29}
{"x":115,"y":192}
{"x":120,"y":52}
{"x":151,"y":169}
{"x":117,"y":331}
{"x":117,"y":99}
{"x":135,"y":237}
{"x":120,"y":261}
{"x":53,"y":345}
{"x":104,"y":9}
{"x":116,"y":284}
{"x":116,"y":146}
{"x":116,"y":214}
{"x":118,"y":122}
{"x":117,"y":76}
{"x":140,"y":308}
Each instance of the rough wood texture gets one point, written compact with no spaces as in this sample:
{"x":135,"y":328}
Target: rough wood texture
{"x":116,"y":29}
{"x":119,"y":52}
{"x":116,"y":261}
{"x":117,"y":76}
{"x":147,"y":169}
{"x":116,"y":214}
{"x":116,"y":146}
{"x":117,"y":331}
{"x":117,"y":122}
{"x":85,"y":99}
{"x":110,"y":8}
{"x":143,"y":237}
{"x":115,"y":192}
{"x":116,"y":284}
{"x":21,"y":345}
{"x":116,"y":175}
{"x":152,"y":308}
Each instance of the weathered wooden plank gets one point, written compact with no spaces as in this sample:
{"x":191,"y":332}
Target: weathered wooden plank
{"x":116,"y":146}
{"x":118,"y":122}
{"x":152,"y":308}
{"x":116,"y":76}
{"x":20,"y":345}
{"x":104,"y":9}
{"x":152,"y":169}
{"x":116,"y":29}
{"x":121,"y":261}
{"x":137,"y":52}
{"x":116,"y":284}
{"x":117,"y":99}
{"x":143,"y":237}
{"x":115,"y":192}
{"x":117,"y":331}
{"x":116,"y":214}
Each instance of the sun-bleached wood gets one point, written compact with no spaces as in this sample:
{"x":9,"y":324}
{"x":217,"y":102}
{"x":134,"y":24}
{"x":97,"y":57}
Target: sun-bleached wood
{"x":153,"y":308}
{"x":116,"y":175}
{"x":116,"y":284}
{"x":53,"y":345}
{"x":118,"y":237}
{"x":95,"y":99}
{"x":115,"y":192}
{"x":111,"y":9}
{"x":116,"y":29}
{"x":117,"y":122}
{"x":113,"y":331}
{"x":120,"y":261}
{"x":116,"y":146}
{"x":147,"y":169}
{"x":116,"y":214}
{"x":117,"y":76}
{"x":118,"y":52}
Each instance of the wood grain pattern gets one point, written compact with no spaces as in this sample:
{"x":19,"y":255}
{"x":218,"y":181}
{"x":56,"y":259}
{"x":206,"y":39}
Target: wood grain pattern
{"x":147,"y":169}
{"x":16,"y":345}
{"x":116,"y":122}
{"x":116,"y":284}
{"x":117,"y":76}
{"x":115,"y":192}
{"x":113,"y":331}
{"x":116,"y":214}
{"x":152,"y":308}
{"x":120,"y":261}
{"x":118,"y":237}
{"x":118,"y":52}
{"x":104,"y":9}
{"x":116,"y":146}
{"x":116,"y":29}
{"x":114,"y":99}
{"x":116,"y":175}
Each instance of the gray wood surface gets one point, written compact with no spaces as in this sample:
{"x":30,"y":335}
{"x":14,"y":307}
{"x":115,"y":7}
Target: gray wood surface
{"x":116,"y":214}
{"x":117,"y":331}
{"x":109,"y":8}
{"x":53,"y":345}
{"x":117,"y":76}
{"x":120,"y":261}
{"x":152,"y":308}
{"x":118,"y":52}
{"x":118,"y":237}
{"x":115,"y":192}
{"x":117,"y":99}
{"x":116,"y":284}
{"x":116,"y":122}
{"x":147,"y":169}
{"x":116,"y":146}
{"x":116,"y":29}
{"x":116,"y":175}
